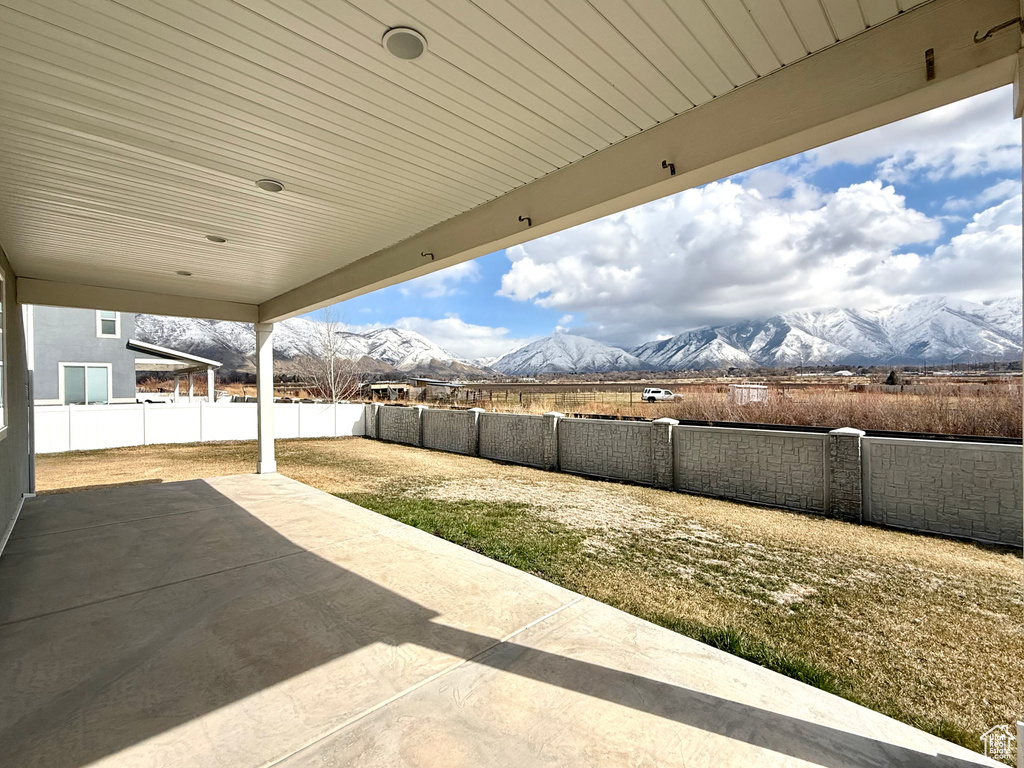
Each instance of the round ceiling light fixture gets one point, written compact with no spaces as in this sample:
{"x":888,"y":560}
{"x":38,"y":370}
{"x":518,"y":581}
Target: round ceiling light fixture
{"x":269,"y":185}
{"x":183,"y":273}
{"x":216,"y":239}
{"x":404,"y":43}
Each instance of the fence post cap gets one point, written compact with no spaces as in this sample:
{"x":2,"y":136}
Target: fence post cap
{"x":848,"y":431}
{"x":665,"y":420}
{"x":422,"y":407}
{"x":555,"y":414}
{"x":477,"y":410}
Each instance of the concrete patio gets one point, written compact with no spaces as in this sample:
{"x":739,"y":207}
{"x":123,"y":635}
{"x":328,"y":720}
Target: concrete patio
{"x":255,"y":621}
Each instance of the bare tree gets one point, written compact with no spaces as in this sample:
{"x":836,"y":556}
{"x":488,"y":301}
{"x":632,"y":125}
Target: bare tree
{"x":332,"y":372}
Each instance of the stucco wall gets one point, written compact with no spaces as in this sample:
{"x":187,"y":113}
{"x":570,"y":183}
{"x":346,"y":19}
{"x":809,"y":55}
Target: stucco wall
{"x":512,"y":437}
{"x":782,"y":469}
{"x":68,"y":335}
{"x":971,"y":490}
{"x":617,"y":449}
{"x":14,"y":448}
{"x":453,"y":431}
{"x":399,"y":424}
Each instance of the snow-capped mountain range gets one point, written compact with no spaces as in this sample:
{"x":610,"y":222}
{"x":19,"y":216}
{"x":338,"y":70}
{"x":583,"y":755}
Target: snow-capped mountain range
{"x":930,"y":330}
{"x":379,"y":351}
{"x":567,"y":353}
{"x":936,"y":329}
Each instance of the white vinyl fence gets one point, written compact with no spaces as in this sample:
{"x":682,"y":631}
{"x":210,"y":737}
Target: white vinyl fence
{"x":89,"y":427}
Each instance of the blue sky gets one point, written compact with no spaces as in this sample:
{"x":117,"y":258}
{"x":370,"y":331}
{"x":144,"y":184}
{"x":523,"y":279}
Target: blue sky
{"x":929,"y":205}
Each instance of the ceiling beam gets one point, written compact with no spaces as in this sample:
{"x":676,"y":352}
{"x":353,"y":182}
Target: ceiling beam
{"x":873,"y":79}
{"x":54,"y":294}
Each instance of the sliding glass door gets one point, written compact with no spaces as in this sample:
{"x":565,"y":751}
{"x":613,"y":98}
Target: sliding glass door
{"x":86,"y":384}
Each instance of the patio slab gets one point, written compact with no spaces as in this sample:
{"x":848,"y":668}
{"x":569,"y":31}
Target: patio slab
{"x":262,"y":622}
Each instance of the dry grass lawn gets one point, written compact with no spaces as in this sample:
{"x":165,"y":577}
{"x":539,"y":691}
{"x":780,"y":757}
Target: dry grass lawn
{"x":922,"y":628}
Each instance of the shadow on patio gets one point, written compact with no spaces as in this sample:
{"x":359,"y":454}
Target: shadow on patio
{"x":253,"y":620}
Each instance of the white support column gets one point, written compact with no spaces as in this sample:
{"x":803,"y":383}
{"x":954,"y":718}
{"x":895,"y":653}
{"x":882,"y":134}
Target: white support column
{"x":191,"y":387}
{"x":265,"y":397}
{"x":209,"y":386}
{"x":177,"y":387}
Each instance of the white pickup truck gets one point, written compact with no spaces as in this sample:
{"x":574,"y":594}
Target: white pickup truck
{"x":652,"y":393}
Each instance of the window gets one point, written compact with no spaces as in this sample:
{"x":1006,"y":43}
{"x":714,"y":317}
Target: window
{"x":108,"y":324}
{"x":84,"y":384}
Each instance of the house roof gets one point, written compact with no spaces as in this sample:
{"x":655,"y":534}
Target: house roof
{"x":129,"y":133}
{"x":436,"y":382}
{"x":180,"y":362}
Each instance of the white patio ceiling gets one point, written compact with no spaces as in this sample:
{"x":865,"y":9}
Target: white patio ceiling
{"x":131,"y":130}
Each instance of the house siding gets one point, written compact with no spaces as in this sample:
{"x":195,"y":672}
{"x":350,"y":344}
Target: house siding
{"x":14,"y":448}
{"x":68,"y":335}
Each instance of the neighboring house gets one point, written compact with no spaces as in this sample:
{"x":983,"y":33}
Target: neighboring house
{"x":86,"y":357}
{"x":81,"y":356}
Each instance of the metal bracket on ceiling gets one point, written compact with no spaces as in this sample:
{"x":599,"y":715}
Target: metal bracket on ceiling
{"x":424,"y":255}
{"x":999,"y":28}
{"x":670,"y":166}
{"x":527,"y":219}
{"x":929,"y":64}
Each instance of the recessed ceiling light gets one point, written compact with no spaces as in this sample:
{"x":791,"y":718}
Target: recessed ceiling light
{"x":404,"y":43}
{"x":269,"y":185}
{"x":216,"y":239}
{"x":183,"y":273}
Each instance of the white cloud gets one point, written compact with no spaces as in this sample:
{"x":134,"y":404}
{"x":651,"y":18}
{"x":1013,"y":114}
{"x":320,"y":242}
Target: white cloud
{"x":565,"y":319}
{"x":729,"y":251}
{"x":983,"y":261}
{"x":444,"y":282}
{"x":998,"y":192}
{"x":966,"y":138}
{"x":463,"y":339}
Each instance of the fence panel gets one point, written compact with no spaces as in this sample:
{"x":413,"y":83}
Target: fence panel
{"x":115,"y":426}
{"x":620,"y":450}
{"x":780,"y":469}
{"x":53,"y":431}
{"x":453,"y":431}
{"x":349,"y":420}
{"x":63,"y":428}
{"x":515,"y":438}
{"x":236,"y":421}
{"x":972,"y":490}
{"x":166,"y":423}
{"x":399,"y":424}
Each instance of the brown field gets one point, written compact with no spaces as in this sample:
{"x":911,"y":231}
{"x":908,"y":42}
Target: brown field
{"x":992,"y":410}
{"x":924,"y":629}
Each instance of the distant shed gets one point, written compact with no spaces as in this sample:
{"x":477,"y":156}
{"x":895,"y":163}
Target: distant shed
{"x":741,"y":394}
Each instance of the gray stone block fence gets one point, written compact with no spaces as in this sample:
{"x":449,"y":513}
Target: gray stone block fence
{"x":513,"y":438}
{"x":400,"y":425}
{"x":953,"y":488}
{"x":452,"y":431}
{"x":620,"y":450}
{"x":968,"y":490}
{"x":779,"y":469}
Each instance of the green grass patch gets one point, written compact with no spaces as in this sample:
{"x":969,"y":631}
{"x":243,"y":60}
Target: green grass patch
{"x":739,"y":643}
{"x":511,"y":533}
